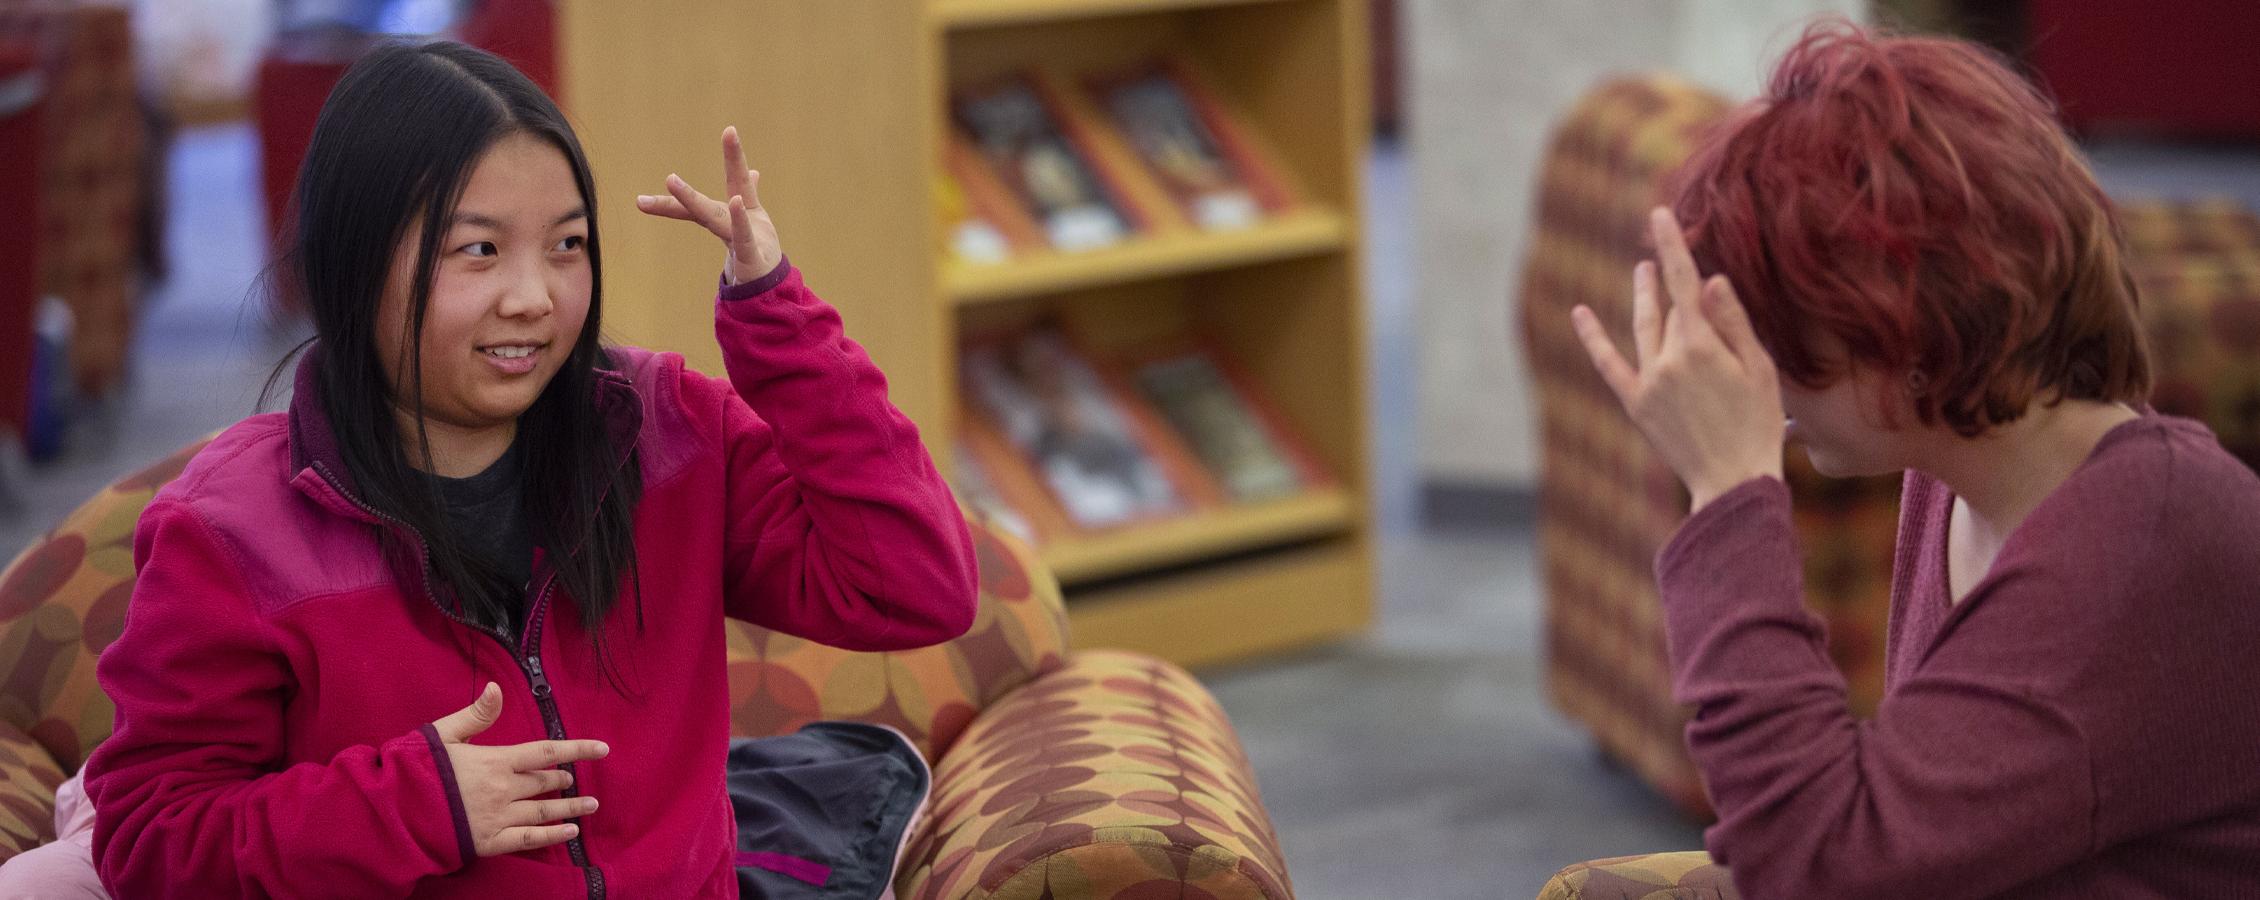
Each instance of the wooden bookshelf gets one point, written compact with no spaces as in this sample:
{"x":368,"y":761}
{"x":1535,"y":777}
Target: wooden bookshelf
{"x":843,"y":107}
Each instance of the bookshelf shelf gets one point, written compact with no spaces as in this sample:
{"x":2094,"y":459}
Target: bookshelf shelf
{"x":1299,"y":234}
{"x":1208,"y":534}
{"x":1228,"y":613}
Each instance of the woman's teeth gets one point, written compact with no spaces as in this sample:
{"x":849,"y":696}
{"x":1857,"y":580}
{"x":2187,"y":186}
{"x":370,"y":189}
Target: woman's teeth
{"x":510,"y":352}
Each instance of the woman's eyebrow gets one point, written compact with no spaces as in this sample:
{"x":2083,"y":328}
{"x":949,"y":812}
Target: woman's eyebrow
{"x":482,"y":220}
{"x":476,"y":220}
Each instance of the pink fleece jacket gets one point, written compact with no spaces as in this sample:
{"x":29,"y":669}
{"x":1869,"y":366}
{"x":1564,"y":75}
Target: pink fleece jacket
{"x":275,"y":679}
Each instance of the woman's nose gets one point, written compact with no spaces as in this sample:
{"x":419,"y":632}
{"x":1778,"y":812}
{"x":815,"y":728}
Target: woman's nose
{"x":527,"y":297}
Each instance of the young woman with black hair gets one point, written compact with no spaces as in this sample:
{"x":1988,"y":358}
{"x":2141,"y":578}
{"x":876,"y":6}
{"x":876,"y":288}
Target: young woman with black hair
{"x":471,"y":496}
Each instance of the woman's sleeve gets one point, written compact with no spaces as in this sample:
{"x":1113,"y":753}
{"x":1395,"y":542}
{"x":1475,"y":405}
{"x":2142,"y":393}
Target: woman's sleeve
{"x":839,"y":528}
{"x":1967,"y":782}
{"x":189,"y":793}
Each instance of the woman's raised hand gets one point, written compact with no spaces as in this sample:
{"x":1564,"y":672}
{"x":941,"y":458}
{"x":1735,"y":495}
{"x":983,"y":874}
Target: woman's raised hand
{"x":1705,"y":392}
{"x":739,"y":220}
{"x":498,"y":784}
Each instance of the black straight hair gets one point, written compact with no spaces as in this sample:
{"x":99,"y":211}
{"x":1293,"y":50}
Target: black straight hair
{"x":397,"y":142}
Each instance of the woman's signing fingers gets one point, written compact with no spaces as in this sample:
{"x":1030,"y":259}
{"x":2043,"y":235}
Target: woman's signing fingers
{"x":1683,"y":285}
{"x":741,"y":230}
{"x":1621,"y":377}
{"x":663,"y":207}
{"x":1647,"y":315}
{"x":736,"y":176}
{"x":702,"y":209}
{"x":538,"y":812}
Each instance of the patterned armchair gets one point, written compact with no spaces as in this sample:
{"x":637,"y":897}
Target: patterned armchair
{"x":1607,"y":503}
{"x":1057,"y":774}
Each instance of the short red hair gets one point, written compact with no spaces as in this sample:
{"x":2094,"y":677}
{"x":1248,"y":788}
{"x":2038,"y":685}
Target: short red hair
{"x":1916,"y":200}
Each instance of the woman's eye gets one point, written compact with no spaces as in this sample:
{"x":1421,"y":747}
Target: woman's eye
{"x":570,"y":244}
{"x":480,"y":249}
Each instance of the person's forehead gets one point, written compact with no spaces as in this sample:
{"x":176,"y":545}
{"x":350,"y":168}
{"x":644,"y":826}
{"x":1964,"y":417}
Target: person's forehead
{"x":521,"y":181}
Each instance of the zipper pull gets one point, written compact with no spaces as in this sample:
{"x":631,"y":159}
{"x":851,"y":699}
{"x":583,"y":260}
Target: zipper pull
{"x":533,"y":673}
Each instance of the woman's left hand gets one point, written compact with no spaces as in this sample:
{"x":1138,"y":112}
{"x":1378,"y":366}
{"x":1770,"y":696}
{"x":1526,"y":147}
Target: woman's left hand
{"x":741,"y":223}
{"x":1705,"y":392}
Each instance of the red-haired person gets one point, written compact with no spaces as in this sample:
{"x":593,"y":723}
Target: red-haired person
{"x":1899,"y":248}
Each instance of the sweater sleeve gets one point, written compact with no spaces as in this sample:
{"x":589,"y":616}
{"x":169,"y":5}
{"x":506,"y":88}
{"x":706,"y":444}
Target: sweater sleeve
{"x":839,"y":528}
{"x":193,"y":798}
{"x":1968,"y":781}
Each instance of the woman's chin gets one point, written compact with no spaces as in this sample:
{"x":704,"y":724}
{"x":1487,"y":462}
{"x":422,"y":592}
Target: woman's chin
{"x":1831,"y":464}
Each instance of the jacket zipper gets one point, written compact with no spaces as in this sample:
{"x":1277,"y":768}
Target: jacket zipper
{"x":527,"y":653}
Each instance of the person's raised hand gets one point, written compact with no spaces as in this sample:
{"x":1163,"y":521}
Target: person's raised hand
{"x":498,"y":784}
{"x":1704,"y":391}
{"x":738,"y":219}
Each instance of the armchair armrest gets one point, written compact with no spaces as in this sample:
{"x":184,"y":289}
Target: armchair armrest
{"x":1112,"y":772}
{"x":1689,"y":875}
{"x":28,"y":778}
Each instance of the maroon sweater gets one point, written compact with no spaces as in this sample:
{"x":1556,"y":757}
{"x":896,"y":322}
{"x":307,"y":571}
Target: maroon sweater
{"x":2086,"y":723}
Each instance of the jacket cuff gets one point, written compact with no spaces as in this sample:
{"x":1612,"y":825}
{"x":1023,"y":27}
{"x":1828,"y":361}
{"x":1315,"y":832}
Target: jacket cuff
{"x":750,"y":289}
{"x":462,"y":817}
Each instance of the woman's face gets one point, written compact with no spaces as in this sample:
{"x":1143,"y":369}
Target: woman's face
{"x":510,"y":291}
{"x":1857,"y":426}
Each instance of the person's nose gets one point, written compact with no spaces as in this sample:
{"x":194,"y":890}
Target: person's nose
{"x":528,"y":294}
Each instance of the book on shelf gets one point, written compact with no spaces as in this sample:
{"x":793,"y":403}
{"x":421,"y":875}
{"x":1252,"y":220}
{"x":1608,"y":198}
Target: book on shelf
{"x":1100,"y":461}
{"x":1018,"y":129}
{"x":1205,"y":157}
{"x":1244,"y":444}
{"x":982,"y":223}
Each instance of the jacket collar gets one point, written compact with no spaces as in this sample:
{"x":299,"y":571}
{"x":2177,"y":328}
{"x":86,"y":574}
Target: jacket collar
{"x":316,"y":459}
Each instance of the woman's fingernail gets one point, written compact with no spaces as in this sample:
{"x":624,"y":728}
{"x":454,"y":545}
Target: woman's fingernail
{"x":572,"y":830}
{"x":588,"y":804}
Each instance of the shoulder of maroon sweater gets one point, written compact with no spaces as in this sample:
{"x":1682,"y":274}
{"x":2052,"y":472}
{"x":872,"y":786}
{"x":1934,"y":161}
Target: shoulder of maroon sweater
{"x":2159,"y":511}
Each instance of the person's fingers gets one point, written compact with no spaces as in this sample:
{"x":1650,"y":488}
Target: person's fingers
{"x":663,"y":207}
{"x":741,"y":231}
{"x":538,"y":812}
{"x":466,"y":723}
{"x":1647,"y":316}
{"x":1683,"y":285}
{"x":539,"y":782}
{"x":528,"y":757}
{"x":703,"y":209}
{"x":735,"y":173}
{"x":1621,"y":377}
{"x":531,"y":837}
{"x":752,"y":192}
{"x":1723,"y":308}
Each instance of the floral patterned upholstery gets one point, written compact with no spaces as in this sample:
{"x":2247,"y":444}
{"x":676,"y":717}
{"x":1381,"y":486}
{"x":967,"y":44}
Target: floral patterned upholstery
{"x":1114,"y":769}
{"x":779,"y":683}
{"x":1656,"y":876}
{"x":1060,"y":775}
{"x":28,"y":776}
